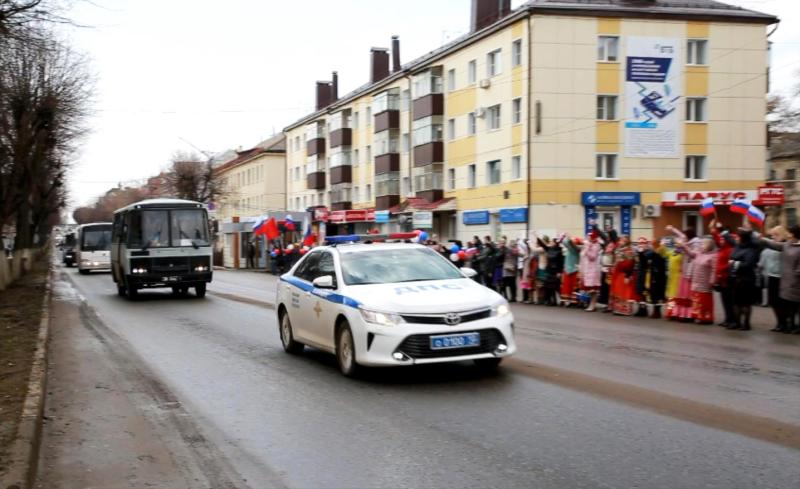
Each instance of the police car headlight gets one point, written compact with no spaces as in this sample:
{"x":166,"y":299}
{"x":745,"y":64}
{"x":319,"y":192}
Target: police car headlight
{"x":381,"y":318}
{"x":501,"y":310}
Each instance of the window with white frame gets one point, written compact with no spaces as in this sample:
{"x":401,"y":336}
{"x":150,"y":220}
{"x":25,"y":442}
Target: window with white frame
{"x":696,"y":109}
{"x":607,"y":48}
{"x":472,"y":124}
{"x":451,"y":129}
{"x":368,"y":115}
{"x":516,"y":53}
{"x":368,"y":192}
{"x":493,"y":172}
{"x":451,"y":79}
{"x":406,"y":142}
{"x":606,"y":107}
{"x":356,"y":157}
{"x":696,"y":51}
{"x":355,"y":120}
{"x":516,"y":167}
{"x":695,"y":168}
{"x":356,"y":194}
{"x":493,"y":117}
{"x":494,"y":63}
{"x":606,"y":167}
{"x":427,"y":130}
{"x":321,"y":198}
{"x":472,"y":72}
{"x":405,"y":100}
{"x":516,"y":111}
{"x":405,"y":188}
{"x":368,"y":153}
{"x":472,"y":176}
{"x":451,"y":179}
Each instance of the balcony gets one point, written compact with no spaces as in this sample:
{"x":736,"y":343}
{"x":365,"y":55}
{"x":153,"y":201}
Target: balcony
{"x":315,"y":146}
{"x":341,"y":137}
{"x":384,"y":202}
{"x":429,"y":105}
{"x":388,"y":119}
{"x":431,"y":195}
{"x":429,"y":182}
{"x":428,"y":153}
{"x":316,"y":180}
{"x":387,"y":163}
{"x":341,"y":174}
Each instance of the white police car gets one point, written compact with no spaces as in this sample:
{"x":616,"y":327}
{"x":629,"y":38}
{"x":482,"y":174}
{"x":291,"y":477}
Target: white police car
{"x":391,"y":304}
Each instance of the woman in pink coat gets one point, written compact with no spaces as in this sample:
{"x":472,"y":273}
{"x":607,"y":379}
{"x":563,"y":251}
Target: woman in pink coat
{"x":590,"y":268}
{"x":704,"y":264}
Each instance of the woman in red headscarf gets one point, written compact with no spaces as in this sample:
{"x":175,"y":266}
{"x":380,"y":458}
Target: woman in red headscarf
{"x":623,"y":287}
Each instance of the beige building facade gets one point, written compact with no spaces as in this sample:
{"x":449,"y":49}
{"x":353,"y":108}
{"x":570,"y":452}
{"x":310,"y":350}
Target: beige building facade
{"x":544,"y":118}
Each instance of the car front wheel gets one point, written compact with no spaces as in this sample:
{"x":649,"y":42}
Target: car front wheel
{"x":287,"y":336}
{"x":346,"y":351}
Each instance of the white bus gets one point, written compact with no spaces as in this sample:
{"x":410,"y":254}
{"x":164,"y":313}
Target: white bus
{"x":93,"y":244}
{"x":161,"y":243}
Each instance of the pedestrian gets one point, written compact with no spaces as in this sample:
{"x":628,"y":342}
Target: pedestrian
{"x":509,"y":281}
{"x":725,"y":244}
{"x":642,"y":276}
{"x":590,"y":268}
{"x":680,"y":307}
{"x":790,"y":277}
{"x":622,"y":295}
{"x":656,"y":282}
{"x":769,"y":269}
{"x":554,"y":266}
{"x":610,"y":240}
{"x":704,"y":264}
{"x":486,"y":261}
{"x":251,"y":254}
{"x":743,"y":264}
{"x":523,"y":268}
{"x":569,"y":277}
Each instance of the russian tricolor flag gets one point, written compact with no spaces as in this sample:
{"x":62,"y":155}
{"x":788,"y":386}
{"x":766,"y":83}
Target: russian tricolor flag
{"x":740,"y":206}
{"x":756,"y":215}
{"x":309,"y":238}
{"x":707,"y":207}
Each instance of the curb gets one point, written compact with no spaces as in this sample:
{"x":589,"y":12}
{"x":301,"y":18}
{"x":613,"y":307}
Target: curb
{"x":24,"y":452}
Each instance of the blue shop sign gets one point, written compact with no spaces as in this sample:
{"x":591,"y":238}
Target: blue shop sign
{"x":610,"y":198}
{"x":513,"y":215}
{"x":381,"y":217}
{"x":475,"y":217}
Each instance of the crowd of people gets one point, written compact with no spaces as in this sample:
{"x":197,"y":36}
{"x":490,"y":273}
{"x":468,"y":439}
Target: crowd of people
{"x":673,"y":277}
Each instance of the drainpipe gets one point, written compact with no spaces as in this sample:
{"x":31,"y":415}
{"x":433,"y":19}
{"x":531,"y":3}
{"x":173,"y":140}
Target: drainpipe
{"x":528,"y":129}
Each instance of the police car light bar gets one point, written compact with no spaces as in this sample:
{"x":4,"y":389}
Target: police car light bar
{"x":355,"y":238}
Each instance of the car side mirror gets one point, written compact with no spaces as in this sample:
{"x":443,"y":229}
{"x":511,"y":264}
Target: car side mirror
{"x":469,"y":272}
{"x":323,"y":282}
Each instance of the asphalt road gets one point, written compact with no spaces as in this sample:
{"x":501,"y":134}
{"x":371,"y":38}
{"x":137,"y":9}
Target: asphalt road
{"x":590,"y":401}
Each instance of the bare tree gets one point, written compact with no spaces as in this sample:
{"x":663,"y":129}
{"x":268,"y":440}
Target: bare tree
{"x":103,"y":209}
{"x":191,"y":177}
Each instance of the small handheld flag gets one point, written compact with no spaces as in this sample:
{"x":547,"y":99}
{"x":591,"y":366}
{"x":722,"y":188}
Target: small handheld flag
{"x":309,"y":239}
{"x":707,"y":207}
{"x":740,"y":206}
{"x":755,"y":215}
{"x":289,"y":223}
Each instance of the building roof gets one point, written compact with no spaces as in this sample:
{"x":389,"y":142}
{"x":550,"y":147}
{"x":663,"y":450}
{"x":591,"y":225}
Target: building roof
{"x":785,"y":145}
{"x":690,"y":9}
{"x":274,"y":145}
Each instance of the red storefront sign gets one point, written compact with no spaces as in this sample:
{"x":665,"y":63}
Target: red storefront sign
{"x":694,"y":198}
{"x":321,"y":214}
{"x":771,"y":195}
{"x":353,"y":215}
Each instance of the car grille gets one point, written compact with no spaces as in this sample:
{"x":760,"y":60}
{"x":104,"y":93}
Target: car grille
{"x":418,"y":346}
{"x":440,"y":318}
{"x":170,"y":265}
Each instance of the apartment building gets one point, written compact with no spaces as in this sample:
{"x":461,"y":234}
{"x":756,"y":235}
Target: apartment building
{"x":254,"y":184}
{"x":545,"y":117}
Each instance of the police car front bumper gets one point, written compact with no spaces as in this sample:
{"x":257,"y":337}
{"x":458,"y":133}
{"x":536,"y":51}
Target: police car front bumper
{"x":410,"y":344}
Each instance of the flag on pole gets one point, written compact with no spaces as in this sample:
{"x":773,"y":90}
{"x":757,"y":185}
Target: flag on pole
{"x":756,"y":215}
{"x":271,"y":229}
{"x":740,"y":206}
{"x":258,"y":226}
{"x":289,"y":223}
{"x":707,"y":207}
{"x":309,"y":238}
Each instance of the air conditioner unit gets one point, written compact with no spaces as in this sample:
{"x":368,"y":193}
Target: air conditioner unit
{"x":486,"y":83}
{"x":480,"y":112}
{"x":651,"y":211}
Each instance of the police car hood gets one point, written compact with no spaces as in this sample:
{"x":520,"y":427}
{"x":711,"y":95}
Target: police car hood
{"x":425,"y":297}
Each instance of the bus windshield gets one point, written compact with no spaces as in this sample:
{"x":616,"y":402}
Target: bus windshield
{"x":169,"y":228}
{"x":96,"y":238}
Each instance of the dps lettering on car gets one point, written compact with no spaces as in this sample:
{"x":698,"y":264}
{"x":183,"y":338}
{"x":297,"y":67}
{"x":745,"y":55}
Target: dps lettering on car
{"x":392,"y":324}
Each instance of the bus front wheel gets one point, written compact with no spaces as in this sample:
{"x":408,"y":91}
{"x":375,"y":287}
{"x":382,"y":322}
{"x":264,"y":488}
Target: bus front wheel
{"x":200,"y":290}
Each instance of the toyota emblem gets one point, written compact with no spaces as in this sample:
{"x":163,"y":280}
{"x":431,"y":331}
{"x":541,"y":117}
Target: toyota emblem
{"x":452,"y":318}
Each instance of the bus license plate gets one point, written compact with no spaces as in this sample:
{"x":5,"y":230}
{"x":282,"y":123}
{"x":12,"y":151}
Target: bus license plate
{"x":169,"y":279}
{"x":463,"y":340}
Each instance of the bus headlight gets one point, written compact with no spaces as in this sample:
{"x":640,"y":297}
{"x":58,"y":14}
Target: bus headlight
{"x":201,"y":268}
{"x":139,"y":271}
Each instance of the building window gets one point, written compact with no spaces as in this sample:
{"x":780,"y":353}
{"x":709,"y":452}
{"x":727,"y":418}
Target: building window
{"x":493,"y":172}
{"x":607,"y":47}
{"x":516,"y":53}
{"x":791,"y":216}
{"x":428,"y":130}
{"x":451,"y":80}
{"x":472,"y":72}
{"x":695,"y":168}
{"x":355,"y":120}
{"x":356,"y":194}
{"x":791,"y":177}
{"x":606,"y":166}
{"x":451,"y":129}
{"x":695,"y":109}
{"x":516,"y":167}
{"x":606,"y":107}
{"x":493,"y":63}
{"x":451,"y":179}
{"x":405,"y":100}
{"x":471,"y":124}
{"x":471,"y":176}
{"x":368,"y":152}
{"x":368,"y":192}
{"x":406,"y":186}
{"x":516,"y":111}
{"x":428,"y":82}
{"x":494,"y":117}
{"x":368,"y":122}
{"x":355,"y":157}
{"x":696,"y":51}
{"x":406,"y":142}
{"x":321,"y":198}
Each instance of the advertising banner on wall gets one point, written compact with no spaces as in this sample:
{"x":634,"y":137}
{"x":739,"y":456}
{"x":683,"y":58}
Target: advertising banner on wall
{"x":653,"y":86}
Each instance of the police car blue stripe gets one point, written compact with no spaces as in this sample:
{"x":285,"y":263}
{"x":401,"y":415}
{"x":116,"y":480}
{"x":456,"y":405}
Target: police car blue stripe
{"x":322,"y":294}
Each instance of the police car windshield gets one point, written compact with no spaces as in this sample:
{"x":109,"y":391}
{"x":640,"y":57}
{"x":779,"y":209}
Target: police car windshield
{"x":396,"y":265}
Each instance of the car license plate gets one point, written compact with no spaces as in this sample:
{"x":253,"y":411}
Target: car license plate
{"x":169,"y":279}
{"x":463,"y":340}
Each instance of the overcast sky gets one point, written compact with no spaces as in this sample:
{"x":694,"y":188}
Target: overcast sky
{"x":185,"y":74}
